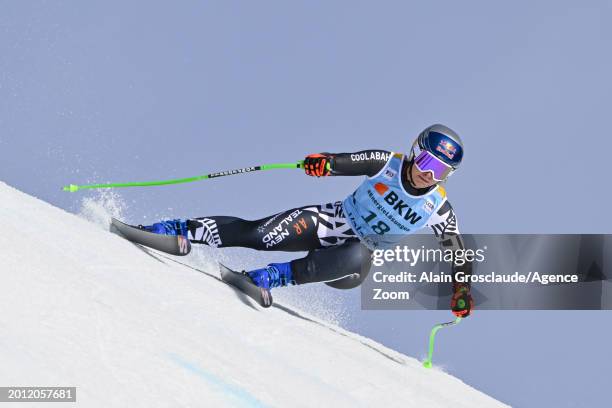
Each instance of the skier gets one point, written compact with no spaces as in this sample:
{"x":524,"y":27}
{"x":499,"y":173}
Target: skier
{"x":400,"y":195}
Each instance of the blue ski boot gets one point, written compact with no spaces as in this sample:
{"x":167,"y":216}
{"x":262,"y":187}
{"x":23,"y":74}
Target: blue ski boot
{"x":272,"y":276}
{"x":168,"y":227}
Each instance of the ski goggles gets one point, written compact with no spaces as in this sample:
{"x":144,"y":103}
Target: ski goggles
{"x":426,"y":161}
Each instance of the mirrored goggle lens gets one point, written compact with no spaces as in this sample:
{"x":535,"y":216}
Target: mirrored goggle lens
{"x":426,"y":161}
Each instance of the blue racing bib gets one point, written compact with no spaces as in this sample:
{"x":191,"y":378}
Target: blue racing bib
{"x":381,"y":212}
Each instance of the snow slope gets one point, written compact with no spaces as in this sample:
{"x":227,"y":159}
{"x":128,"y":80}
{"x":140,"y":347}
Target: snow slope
{"x":134,"y":328}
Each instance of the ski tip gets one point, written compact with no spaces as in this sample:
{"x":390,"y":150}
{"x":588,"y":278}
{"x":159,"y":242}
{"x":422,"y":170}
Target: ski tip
{"x":112,"y":227}
{"x":224,"y":270}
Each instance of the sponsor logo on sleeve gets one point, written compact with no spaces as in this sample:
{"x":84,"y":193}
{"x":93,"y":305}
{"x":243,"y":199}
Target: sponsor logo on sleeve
{"x":382,"y":156}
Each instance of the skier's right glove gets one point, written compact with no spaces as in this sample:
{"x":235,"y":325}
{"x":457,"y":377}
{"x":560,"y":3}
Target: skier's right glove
{"x":461,"y":302}
{"x":318,"y":164}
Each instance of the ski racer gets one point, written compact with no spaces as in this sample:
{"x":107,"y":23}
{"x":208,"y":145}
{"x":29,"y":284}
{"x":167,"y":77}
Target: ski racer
{"x":400,"y":195}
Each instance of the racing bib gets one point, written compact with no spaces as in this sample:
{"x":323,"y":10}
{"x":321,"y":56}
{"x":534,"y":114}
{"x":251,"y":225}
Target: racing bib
{"x":381,"y":212}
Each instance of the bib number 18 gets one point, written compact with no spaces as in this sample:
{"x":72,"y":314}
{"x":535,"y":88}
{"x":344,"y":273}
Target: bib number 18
{"x":379,"y":227}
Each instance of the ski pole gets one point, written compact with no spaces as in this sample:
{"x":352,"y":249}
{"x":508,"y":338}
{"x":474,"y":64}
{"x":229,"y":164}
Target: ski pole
{"x":73,"y":187}
{"x":432,"y":337}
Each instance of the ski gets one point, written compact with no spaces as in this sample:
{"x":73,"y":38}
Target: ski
{"x":243,"y":283}
{"x":170,"y":244}
{"x":180,"y":246}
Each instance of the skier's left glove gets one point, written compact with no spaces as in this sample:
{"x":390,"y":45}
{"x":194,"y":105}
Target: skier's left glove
{"x":461,"y":302}
{"x":318,"y":164}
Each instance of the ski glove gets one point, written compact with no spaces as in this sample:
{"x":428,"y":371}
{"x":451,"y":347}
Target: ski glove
{"x":318,"y":164}
{"x":461,"y":302}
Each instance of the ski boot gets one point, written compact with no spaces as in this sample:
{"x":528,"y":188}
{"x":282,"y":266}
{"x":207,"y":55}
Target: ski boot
{"x":168,"y":227}
{"x":272,"y":276}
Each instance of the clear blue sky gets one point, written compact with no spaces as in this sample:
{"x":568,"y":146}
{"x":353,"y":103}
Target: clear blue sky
{"x":124,"y":91}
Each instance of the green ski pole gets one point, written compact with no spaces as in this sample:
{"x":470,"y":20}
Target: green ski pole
{"x":73,"y":187}
{"x":432,"y":337}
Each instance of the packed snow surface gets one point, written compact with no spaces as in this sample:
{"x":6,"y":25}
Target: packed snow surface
{"x":131,"y":327}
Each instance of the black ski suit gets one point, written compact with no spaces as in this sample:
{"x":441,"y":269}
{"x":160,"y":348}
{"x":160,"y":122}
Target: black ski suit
{"x":336,"y":255}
